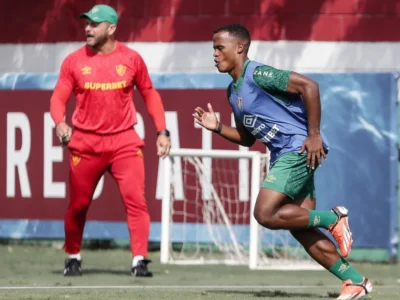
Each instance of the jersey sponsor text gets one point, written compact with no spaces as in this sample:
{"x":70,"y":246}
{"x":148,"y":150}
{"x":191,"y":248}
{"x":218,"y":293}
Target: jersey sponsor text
{"x":105,"y":85}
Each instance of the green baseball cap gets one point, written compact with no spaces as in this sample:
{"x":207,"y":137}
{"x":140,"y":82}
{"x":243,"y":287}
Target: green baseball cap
{"x":101,"y":13}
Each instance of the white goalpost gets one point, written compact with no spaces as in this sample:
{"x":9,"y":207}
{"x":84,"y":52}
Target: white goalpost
{"x":207,"y":213}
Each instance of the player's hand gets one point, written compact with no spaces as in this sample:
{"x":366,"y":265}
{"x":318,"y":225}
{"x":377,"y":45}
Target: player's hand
{"x":207,"y":119}
{"x":315,"y":150}
{"x":163,"y":145}
{"x":63,"y":132}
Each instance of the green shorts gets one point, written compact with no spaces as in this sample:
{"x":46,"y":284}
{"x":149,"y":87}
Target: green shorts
{"x":290,"y":175}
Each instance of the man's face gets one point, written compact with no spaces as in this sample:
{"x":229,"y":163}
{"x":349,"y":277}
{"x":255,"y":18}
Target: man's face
{"x":96,"y":33}
{"x":225,"y":51}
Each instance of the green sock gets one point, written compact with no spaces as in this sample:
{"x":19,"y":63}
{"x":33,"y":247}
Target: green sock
{"x":321,"y":218}
{"x":342,"y":270}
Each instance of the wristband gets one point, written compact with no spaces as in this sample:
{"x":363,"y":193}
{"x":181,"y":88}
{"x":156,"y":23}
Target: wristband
{"x":219,"y":128}
{"x":163,"y":132}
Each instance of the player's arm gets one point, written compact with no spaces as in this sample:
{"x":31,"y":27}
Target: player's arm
{"x":149,"y":94}
{"x":153,"y":104}
{"x":59,"y":99}
{"x":282,"y":84}
{"x":238,"y":135}
{"x":309,"y":91}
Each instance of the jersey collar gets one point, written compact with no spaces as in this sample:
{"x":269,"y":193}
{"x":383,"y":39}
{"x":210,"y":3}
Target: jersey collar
{"x":245,"y":67}
{"x":238,"y":83}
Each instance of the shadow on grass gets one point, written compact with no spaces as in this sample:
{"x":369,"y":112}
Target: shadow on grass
{"x":277,"y":294}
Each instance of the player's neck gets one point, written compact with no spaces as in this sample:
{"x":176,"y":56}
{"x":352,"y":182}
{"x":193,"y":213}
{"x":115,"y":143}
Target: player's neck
{"x":236,"y":72}
{"x":106,"y":48}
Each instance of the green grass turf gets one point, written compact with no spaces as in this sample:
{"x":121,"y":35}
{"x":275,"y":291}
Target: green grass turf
{"x":107,"y":276}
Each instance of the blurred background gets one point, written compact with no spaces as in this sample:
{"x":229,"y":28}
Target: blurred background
{"x":350,"y":47}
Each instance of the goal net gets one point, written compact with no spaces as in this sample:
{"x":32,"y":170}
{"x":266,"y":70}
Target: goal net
{"x":207,"y":205}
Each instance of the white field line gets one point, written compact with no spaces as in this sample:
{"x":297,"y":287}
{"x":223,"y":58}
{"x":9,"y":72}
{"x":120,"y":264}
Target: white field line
{"x":187,"y":287}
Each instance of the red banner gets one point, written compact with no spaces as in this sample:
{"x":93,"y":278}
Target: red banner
{"x":34,"y":168}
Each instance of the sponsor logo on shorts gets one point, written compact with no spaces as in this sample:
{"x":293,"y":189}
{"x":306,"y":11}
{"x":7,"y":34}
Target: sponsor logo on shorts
{"x":249,"y":121}
{"x":270,"y":178}
{"x":75,"y":159}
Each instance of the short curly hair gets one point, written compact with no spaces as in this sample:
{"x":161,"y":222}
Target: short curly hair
{"x":236,"y":30}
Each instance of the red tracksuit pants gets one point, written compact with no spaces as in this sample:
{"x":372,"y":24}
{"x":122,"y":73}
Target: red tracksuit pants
{"x":91,"y":156}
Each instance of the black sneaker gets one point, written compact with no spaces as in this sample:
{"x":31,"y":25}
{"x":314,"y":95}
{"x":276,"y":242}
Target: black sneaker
{"x":72,"y":267}
{"x":141,"y":269}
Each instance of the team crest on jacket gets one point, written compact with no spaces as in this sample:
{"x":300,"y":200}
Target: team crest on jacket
{"x":75,"y":159}
{"x":120,"y":69}
{"x":240,"y":104}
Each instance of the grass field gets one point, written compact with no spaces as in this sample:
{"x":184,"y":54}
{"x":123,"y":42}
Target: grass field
{"x":35,"y":272}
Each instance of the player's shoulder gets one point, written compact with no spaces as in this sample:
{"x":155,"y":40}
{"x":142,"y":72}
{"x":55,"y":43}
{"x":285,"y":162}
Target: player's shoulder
{"x":76,"y":54}
{"x":128,"y":52}
{"x":267,"y":71}
{"x":263,"y":66}
{"x":81,"y":51}
{"x":256,"y":68}
{"x":256,"y":63}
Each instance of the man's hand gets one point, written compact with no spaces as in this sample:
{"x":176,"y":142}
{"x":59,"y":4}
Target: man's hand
{"x":313,"y":145}
{"x":207,"y":119}
{"x":163,"y":145}
{"x":63,"y":132}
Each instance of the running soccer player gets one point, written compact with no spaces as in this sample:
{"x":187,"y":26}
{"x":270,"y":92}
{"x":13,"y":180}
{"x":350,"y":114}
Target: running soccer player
{"x":102,"y":75}
{"x":282,"y":110}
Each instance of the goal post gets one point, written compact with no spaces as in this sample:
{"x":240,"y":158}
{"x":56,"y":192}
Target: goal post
{"x":211,"y":220}
{"x":166,"y":199}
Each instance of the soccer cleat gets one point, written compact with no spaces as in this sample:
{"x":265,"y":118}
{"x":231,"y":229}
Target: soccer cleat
{"x":141,"y":269}
{"x":72,"y":267}
{"x":352,"y":290}
{"x":341,"y":230}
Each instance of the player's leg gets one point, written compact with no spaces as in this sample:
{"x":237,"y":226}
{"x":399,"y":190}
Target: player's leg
{"x":85,"y":172}
{"x":128,"y":170}
{"x":129,"y":174}
{"x":286,"y":180}
{"x":323,"y":251}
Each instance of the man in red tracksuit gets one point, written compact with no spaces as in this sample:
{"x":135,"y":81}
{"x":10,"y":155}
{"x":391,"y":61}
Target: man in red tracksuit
{"x":102,"y":75}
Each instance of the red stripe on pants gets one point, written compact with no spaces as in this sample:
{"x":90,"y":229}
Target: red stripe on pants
{"x":91,"y":156}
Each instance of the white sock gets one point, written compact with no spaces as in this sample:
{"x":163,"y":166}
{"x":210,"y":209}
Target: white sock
{"x":76,"y":256}
{"x":136,"y":259}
